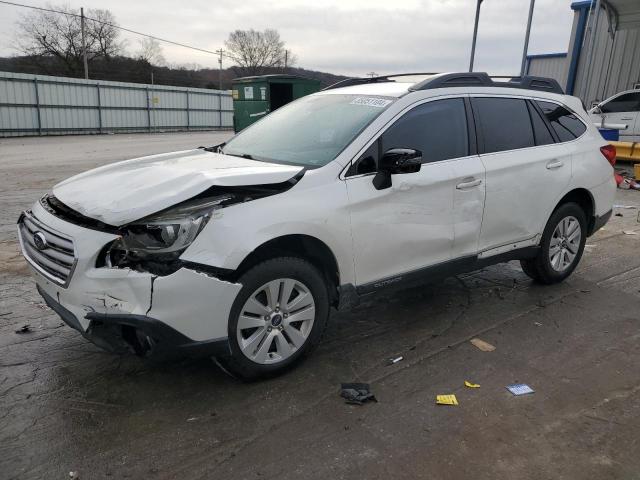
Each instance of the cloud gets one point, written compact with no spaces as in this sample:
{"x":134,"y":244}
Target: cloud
{"x":349,"y":36}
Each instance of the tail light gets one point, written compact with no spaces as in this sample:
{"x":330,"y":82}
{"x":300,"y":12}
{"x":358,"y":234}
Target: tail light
{"x":609,"y":152}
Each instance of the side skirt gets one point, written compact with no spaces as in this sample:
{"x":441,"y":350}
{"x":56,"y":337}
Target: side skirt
{"x":350,"y":295}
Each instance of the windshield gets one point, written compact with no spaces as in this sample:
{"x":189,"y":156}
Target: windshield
{"x":309,"y":132}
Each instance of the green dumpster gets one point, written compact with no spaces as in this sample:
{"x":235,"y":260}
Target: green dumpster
{"x":255,"y":97}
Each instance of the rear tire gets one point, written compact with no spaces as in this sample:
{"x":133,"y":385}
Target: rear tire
{"x":268,"y":333}
{"x":561,"y":246}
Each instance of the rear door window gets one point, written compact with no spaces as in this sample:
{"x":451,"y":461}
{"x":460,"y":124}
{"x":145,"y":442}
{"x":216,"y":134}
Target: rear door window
{"x":564,"y":122}
{"x":504,"y":124}
{"x":627,"y":102}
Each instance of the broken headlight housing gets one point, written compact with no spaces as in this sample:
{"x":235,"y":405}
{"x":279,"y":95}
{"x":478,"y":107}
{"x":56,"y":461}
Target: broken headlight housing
{"x":155,"y":242}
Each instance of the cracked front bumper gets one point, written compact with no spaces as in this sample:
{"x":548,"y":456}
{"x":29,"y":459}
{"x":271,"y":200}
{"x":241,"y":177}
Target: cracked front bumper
{"x":187,"y":310}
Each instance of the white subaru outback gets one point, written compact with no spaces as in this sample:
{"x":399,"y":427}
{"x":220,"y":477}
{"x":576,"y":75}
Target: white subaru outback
{"x":238,"y":251}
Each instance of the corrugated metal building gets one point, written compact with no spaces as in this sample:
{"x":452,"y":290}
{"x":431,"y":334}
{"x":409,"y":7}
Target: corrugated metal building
{"x":605,"y":48}
{"x":603,"y":54}
{"x":44,"y":105}
{"x":551,"y":65}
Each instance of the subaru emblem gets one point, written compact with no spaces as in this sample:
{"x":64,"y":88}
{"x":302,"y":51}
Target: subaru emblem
{"x":40,"y":241}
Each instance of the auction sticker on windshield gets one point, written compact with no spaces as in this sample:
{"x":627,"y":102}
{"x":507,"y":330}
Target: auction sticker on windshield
{"x":371,"y":101}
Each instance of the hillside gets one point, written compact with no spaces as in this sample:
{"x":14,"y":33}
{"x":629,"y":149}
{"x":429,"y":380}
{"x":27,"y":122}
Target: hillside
{"x":126,"y":69}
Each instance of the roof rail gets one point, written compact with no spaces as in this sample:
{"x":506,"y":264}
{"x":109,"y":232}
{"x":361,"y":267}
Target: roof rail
{"x":348,"y":82}
{"x":462,"y":79}
{"x":466,"y":79}
{"x":538,"y":83}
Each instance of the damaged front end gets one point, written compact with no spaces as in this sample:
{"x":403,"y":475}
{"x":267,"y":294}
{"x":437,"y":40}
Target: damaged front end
{"x":130,"y":290}
{"x":154,"y":244}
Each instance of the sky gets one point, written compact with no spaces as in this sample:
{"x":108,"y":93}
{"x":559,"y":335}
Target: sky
{"x":348,"y":37}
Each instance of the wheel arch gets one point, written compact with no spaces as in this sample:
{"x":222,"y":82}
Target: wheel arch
{"x":303,"y":246}
{"x":582,"y":197}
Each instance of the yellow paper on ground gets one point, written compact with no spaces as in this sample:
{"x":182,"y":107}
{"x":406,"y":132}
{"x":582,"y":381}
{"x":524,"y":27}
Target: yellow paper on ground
{"x":446,"y":400}
{"x":467,"y":383}
{"x":482,"y":345}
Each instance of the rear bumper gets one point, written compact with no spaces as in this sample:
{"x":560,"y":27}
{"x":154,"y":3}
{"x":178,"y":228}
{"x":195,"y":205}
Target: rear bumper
{"x":140,"y":334}
{"x":598,"y":222}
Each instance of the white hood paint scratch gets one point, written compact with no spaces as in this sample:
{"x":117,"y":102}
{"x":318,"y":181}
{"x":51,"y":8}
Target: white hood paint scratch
{"x":122,"y":192}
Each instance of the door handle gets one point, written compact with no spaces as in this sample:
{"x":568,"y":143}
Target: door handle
{"x":553,"y":164}
{"x":626,"y":118}
{"x":469,"y":183}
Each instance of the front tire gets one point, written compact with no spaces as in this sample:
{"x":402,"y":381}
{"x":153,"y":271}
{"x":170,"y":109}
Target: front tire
{"x":278,"y":317}
{"x":561,"y":246}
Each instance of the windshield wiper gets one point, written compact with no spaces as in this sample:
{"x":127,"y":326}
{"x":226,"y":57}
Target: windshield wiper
{"x":241,"y":155}
{"x":214,"y":148}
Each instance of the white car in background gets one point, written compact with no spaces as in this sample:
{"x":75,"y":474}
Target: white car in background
{"x":240,"y":250}
{"x":621,"y":109}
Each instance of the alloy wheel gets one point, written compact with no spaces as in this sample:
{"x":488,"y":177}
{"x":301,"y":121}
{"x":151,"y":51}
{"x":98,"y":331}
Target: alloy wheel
{"x":275,"y":321}
{"x":565,"y":243}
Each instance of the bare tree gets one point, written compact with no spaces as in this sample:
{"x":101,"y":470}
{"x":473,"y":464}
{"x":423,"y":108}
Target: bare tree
{"x":151,"y":52}
{"x":48,"y":34}
{"x":254,"y":51}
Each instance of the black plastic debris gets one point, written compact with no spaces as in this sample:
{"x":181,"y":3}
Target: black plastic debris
{"x":357,"y":393}
{"x":24,"y":329}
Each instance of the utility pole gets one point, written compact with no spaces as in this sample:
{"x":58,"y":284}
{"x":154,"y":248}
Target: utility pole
{"x":475,"y":35}
{"x":286,"y":59}
{"x":372,"y":74}
{"x":526,"y":39}
{"x":219,"y":52}
{"x":84,"y":45}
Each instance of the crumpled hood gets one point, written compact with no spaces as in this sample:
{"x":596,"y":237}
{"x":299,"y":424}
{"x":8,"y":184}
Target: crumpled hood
{"x":122,"y":192}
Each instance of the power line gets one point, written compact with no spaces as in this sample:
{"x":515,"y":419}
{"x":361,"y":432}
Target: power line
{"x":70,"y":14}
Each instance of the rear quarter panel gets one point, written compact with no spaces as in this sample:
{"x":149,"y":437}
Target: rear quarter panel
{"x":592,"y":171}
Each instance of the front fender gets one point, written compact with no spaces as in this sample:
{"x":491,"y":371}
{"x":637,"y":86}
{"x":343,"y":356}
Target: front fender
{"x":311,"y":208}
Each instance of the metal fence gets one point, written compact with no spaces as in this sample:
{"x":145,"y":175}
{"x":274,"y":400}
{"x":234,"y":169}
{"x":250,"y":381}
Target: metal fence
{"x":44,"y":105}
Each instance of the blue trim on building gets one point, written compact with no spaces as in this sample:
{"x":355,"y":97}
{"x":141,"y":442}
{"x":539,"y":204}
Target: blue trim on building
{"x":583,"y":8}
{"x":547,"y":55}
{"x":582,"y":4}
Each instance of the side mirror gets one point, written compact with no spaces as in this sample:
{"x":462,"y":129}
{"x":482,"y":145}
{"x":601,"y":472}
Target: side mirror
{"x":596,"y":110}
{"x":396,"y":161}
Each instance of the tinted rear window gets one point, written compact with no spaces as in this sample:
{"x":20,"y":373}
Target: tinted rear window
{"x":504,"y":123}
{"x":540,"y":130}
{"x":565,"y":123}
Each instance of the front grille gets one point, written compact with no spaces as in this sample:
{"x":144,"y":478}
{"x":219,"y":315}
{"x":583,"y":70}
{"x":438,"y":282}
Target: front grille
{"x":56,"y":260}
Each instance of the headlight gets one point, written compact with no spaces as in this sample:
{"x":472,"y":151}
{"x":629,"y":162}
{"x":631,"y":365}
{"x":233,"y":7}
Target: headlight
{"x":163,"y":236}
